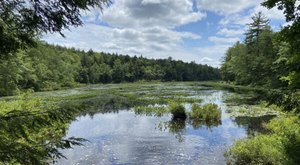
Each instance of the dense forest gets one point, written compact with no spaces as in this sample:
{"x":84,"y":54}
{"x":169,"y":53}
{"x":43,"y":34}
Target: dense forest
{"x":265,"y":58}
{"x":48,"y":67}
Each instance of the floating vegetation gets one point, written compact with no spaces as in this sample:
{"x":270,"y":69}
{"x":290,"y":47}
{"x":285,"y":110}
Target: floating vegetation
{"x":151,"y":110}
{"x":261,"y":109}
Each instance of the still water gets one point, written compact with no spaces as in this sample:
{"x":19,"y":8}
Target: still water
{"x":124,"y":138}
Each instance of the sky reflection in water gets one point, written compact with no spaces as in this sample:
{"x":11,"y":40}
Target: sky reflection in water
{"x":126,"y":138}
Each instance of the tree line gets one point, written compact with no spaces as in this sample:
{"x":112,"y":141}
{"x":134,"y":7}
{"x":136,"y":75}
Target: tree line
{"x":50,"y":67}
{"x":265,"y":58}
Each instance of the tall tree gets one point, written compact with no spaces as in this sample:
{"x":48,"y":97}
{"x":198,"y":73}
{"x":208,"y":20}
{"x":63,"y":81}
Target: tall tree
{"x":291,"y":35}
{"x":255,"y":28}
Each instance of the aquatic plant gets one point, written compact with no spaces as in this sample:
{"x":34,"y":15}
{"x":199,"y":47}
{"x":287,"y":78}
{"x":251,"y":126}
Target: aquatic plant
{"x":156,"y":110}
{"x":208,"y":112}
{"x":177,"y":110}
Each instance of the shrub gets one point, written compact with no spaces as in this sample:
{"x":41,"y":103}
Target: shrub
{"x":262,"y":149}
{"x":208,"y":112}
{"x":282,"y":146}
{"x":177,"y":110}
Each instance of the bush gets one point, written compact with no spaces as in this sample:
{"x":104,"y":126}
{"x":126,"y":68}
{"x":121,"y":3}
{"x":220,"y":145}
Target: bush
{"x":282,"y":146}
{"x":262,"y":149}
{"x":208,"y":112}
{"x":177,"y":110}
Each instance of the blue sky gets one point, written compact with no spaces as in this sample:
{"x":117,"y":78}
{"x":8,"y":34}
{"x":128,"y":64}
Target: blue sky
{"x":188,"y":30}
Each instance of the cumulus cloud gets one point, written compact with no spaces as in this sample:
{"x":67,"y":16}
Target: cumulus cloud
{"x":223,"y":40}
{"x":227,"y":6}
{"x":231,"y":32}
{"x":212,"y":55}
{"x":245,"y":18}
{"x":148,"y":13}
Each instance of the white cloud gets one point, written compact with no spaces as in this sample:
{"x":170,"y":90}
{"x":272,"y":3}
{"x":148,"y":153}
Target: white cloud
{"x":273,"y":13}
{"x":231,"y":32}
{"x":148,"y":13}
{"x":150,"y":42}
{"x":223,"y":40}
{"x":245,"y":18}
{"x":212,"y":55}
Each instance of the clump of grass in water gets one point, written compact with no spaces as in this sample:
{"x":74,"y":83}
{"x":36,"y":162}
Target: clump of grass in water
{"x":177,"y":110}
{"x":208,"y":112}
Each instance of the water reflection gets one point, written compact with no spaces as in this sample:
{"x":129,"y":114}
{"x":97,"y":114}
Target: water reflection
{"x":254,"y":125}
{"x":178,"y":127}
{"x":123,"y":137}
{"x":175,"y":126}
{"x":202,"y":123}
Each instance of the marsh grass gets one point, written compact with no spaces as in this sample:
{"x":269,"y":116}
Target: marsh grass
{"x":151,"y":110}
{"x":208,"y":112}
{"x":177,"y":110}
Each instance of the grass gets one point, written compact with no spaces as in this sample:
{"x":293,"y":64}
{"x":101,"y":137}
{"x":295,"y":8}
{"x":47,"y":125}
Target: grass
{"x":177,"y":110}
{"x":208,"y":112}
{"x":150,"y":110}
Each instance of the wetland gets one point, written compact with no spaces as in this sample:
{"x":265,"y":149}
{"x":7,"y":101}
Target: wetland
{"x":129,"y":123}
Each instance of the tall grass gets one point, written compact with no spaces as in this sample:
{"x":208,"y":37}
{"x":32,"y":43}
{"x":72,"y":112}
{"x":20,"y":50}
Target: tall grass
{"x":208,"y":112}
{"x":177,"y":110}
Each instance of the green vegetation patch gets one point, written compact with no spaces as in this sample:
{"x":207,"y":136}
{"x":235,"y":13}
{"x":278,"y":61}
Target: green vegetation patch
{"x":261,"y":109}
{"x":208,"y":112}
{"x":280,"y":147}
{"x":32,"y":131}
{"x":156,"y":110}
{"x":177,"y":110}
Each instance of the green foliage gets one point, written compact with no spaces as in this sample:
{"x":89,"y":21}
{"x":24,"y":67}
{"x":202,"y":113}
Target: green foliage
{"x":32,"y":131}
{"x":208,"y":112}
{"x":279,"y":147}
{"x":48,"y":67}
{"x":262,"y":149}
{"x":22,"y":20}
{"x":288,"y":100}
{"x":261,"y":60}
{"x":177,"y":110}
{"x":288,"y":128}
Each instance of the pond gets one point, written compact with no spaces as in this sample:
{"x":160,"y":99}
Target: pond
{"x":124,"y":137}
